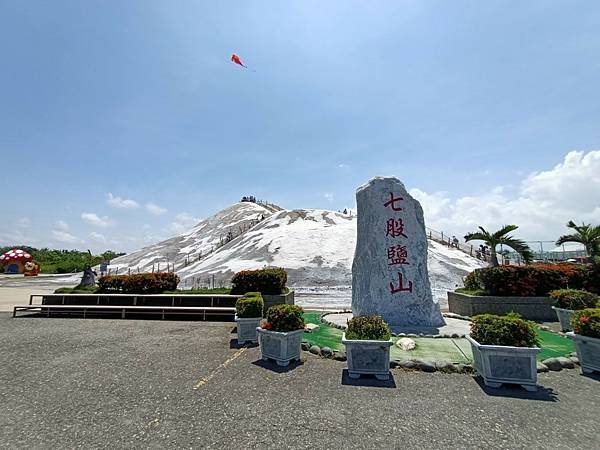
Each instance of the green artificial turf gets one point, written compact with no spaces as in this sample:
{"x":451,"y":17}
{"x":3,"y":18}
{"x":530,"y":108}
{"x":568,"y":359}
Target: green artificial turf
{"x":553,"y":345}
{"x":453,"y":350}
{"x":325,"y":336}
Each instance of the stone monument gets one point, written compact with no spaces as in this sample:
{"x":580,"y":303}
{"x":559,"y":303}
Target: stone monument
{"x":389,"y":271}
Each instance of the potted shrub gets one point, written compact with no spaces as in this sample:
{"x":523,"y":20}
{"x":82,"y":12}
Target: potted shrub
{"x":368,"y":340}
{"x":570,"y":300}
{"x":248,"y":314}
{"x":586,"y":334}
{"x":280,"y":334}
{"x":504,"y":350}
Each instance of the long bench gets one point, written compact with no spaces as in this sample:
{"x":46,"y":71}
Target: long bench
{"x":123,"y":309}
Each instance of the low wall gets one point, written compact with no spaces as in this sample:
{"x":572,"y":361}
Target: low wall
{"x":531,"y":308}
{"x":285,"y":299}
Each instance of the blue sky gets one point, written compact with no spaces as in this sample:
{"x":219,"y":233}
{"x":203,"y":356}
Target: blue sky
{"x":139,"y":99}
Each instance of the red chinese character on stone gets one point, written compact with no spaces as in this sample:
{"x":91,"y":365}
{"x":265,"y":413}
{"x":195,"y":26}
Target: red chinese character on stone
{"x":395,"y":228}
{"x":400,"y":288}
{"x":397,"y":254}
{"x":392,"y":202}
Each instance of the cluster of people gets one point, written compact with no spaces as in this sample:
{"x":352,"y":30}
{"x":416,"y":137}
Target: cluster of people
{"x":483,"y":252}
{"x":454,"y":242}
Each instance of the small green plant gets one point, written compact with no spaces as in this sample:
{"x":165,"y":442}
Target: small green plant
{"x":586,"y":322}
{"x":250,"y":305}
{"x":574,"y":299}
{"x":270,"y":281}
{"x":371,"y":328}
{"x":77,"y":290}
{"x":284,"y":318}
{"x":510,"y":330}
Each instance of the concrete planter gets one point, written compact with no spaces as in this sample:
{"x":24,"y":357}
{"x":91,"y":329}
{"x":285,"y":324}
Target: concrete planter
{"x":246,"y":329}
{"x":530,"y":308}
{"x":368,"y":357}
{"x":282,"y":347}
{"x":564,"y":317}
{"x":282,"y":299}
{"x":499,"y":364}
{"x":588,"y":352}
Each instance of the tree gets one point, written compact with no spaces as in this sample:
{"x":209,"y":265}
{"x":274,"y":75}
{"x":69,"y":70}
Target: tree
{"x":501,"y":237}
{"x":585,"y":234}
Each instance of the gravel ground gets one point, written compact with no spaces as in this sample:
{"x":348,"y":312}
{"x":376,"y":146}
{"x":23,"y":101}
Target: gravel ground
{"x":73,"y":383}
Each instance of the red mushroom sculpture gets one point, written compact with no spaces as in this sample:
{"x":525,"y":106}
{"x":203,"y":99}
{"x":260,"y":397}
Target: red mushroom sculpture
{"x":14,"y":261}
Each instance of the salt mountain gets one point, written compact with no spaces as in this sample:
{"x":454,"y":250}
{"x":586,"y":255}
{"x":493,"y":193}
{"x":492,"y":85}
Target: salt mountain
{"x":315,"y":246}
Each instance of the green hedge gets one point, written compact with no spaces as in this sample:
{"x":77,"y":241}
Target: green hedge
{"x":368,"y":328}
{"x":533,"y":280}
{"x":284,"y":318}
{"x":574,"y":299}
{"x":587,"y":322}
{"x":510,"y":330}
{"x":250,"y":305}
{"x":139,"y":283}
{"x":269,"y":281}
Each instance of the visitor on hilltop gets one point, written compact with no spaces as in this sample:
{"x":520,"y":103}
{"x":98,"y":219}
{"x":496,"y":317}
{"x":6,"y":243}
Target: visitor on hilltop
{"x":454,"y":241}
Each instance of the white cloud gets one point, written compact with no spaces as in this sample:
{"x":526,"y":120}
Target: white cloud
{"x":328,"y":196}
{"x":183,"y":222}
{"x":67,"y":238}
{"x":155,"y":209}
{"x":121,"y":203}
{"x":544,"y":202}
{"x":97,"y":237}
{"x":61,"y":225}
{"x":343,"y":166}
{"x":24,"y":222}
{"x":93,"y":219}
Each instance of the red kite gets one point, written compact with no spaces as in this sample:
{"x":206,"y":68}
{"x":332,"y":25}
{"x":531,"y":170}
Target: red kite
{"x":236,"y":60}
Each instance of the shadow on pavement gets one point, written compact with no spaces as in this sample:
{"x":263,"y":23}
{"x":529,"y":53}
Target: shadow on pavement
{"x":516,"y":391}
{"x":592,"y":376}
{"x":233,"y":343}
{"x":367,"y":380}
{"x":274,"y":367}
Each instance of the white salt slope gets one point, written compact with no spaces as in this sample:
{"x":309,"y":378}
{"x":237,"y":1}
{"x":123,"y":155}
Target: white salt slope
{"x":315,"y":246}
{"x":203,"y":238}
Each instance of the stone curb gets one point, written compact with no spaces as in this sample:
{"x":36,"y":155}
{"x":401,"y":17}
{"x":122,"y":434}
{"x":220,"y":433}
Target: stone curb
{"x":547,"y":365}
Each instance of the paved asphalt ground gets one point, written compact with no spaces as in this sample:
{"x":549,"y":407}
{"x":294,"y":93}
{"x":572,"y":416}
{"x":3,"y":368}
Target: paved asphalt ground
{"x":99,"y":383}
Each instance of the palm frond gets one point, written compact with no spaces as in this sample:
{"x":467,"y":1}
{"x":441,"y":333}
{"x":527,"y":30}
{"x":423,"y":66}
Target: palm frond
{"x":504,"y":231}
{"x":570,"y":238}
{"x":477,"y":236}
{"x":518,"y":246}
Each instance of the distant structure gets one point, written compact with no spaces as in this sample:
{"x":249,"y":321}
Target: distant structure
{"x":14,"y":261}
{"x":250,"y":198}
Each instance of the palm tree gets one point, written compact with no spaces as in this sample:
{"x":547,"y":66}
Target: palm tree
{"x":501,"y":237}
{"x":585,"y":234}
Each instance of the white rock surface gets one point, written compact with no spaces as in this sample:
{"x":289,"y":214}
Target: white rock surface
{"x":389,"y":271}
{"x":406,"y":344}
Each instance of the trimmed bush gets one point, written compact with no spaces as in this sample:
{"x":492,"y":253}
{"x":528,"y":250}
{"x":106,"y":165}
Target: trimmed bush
{"x":574,"y":299}
{"x":284,"y":318}
{"x":371,"y":328}
{"x":270,"y":281}
{"x":533,"y":280}
{"x":510,"y":330}
{"x":139,"y":283}
{"x":250,"y":305}
{"x":587,"y":322}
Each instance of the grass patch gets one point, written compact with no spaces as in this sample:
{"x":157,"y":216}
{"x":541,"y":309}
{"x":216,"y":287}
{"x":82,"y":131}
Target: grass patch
{"x":553,"y":345}
{"x":77,"y":290}
{"x":474,"y":292}
{"x":200,"y":291}
{"x":325,"y":336}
